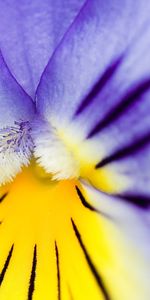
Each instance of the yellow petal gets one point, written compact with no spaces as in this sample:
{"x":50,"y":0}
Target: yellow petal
{"x":54,"y":246}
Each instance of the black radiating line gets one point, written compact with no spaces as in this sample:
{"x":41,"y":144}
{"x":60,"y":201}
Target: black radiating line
{"x":89,"y":206}
{"x":127,"y":101}
{"x":6,"y":265}
{"x":84,"y":202}
{"x":90,"y":263}
{"x":33,"y":274}
{"x":58,"y":271}
{"x":100,"y":84}
{"x":126,"y":151}
{"x":3,"y":197}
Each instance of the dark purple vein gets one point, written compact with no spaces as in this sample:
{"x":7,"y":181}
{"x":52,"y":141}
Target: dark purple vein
{"x":100,"y":84}
{"x":127,"y":101}
{"x":128,"y":150}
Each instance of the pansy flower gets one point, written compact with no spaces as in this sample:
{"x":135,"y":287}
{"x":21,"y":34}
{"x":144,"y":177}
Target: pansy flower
{"x":74,"y":149}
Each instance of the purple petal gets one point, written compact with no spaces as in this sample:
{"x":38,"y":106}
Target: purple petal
{"x":94,"y":47}
{"x":97,"y":86}
{"x":29,"y":33}
{"x":15,"y":104}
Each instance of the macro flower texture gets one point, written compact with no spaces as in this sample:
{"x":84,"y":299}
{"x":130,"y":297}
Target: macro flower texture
{"x":74,"y":150}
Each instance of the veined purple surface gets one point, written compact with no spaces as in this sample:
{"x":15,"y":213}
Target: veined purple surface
{"x":34,"y":29}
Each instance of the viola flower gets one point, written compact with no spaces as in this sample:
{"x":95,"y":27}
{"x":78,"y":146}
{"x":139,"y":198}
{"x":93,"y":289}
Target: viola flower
{"x":74,"y":150}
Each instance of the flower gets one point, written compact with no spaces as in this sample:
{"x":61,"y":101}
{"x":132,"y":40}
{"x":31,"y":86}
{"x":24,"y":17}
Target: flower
{"x":74,"y":150}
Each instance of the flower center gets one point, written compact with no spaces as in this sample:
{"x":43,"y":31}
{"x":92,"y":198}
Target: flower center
{"x":52,"y":153}
{"x":20,"y":142}
{"x":59,"y":155}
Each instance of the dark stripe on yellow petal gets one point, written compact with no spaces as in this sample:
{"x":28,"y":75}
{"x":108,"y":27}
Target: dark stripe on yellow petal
{"x":33,"y":274}
{"x":126,"y":151}
{"x":6,"y":265}
{"x":90,"y":263}
{"x":58,"y":271}
{"x":84,"y":202}
{"x":127,"y":101}
{"x":3,"y":197}
{"x":100,"y":84}
{"x":88,"y":205}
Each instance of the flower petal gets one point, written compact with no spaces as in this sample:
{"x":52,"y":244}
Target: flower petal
{"x":127,"y":229}
{"x":15,"y":104}
{"x":101,"y":94}
{"x":29,"y":33}
{"x":59,"y":247}
{"x":84,"y":55}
